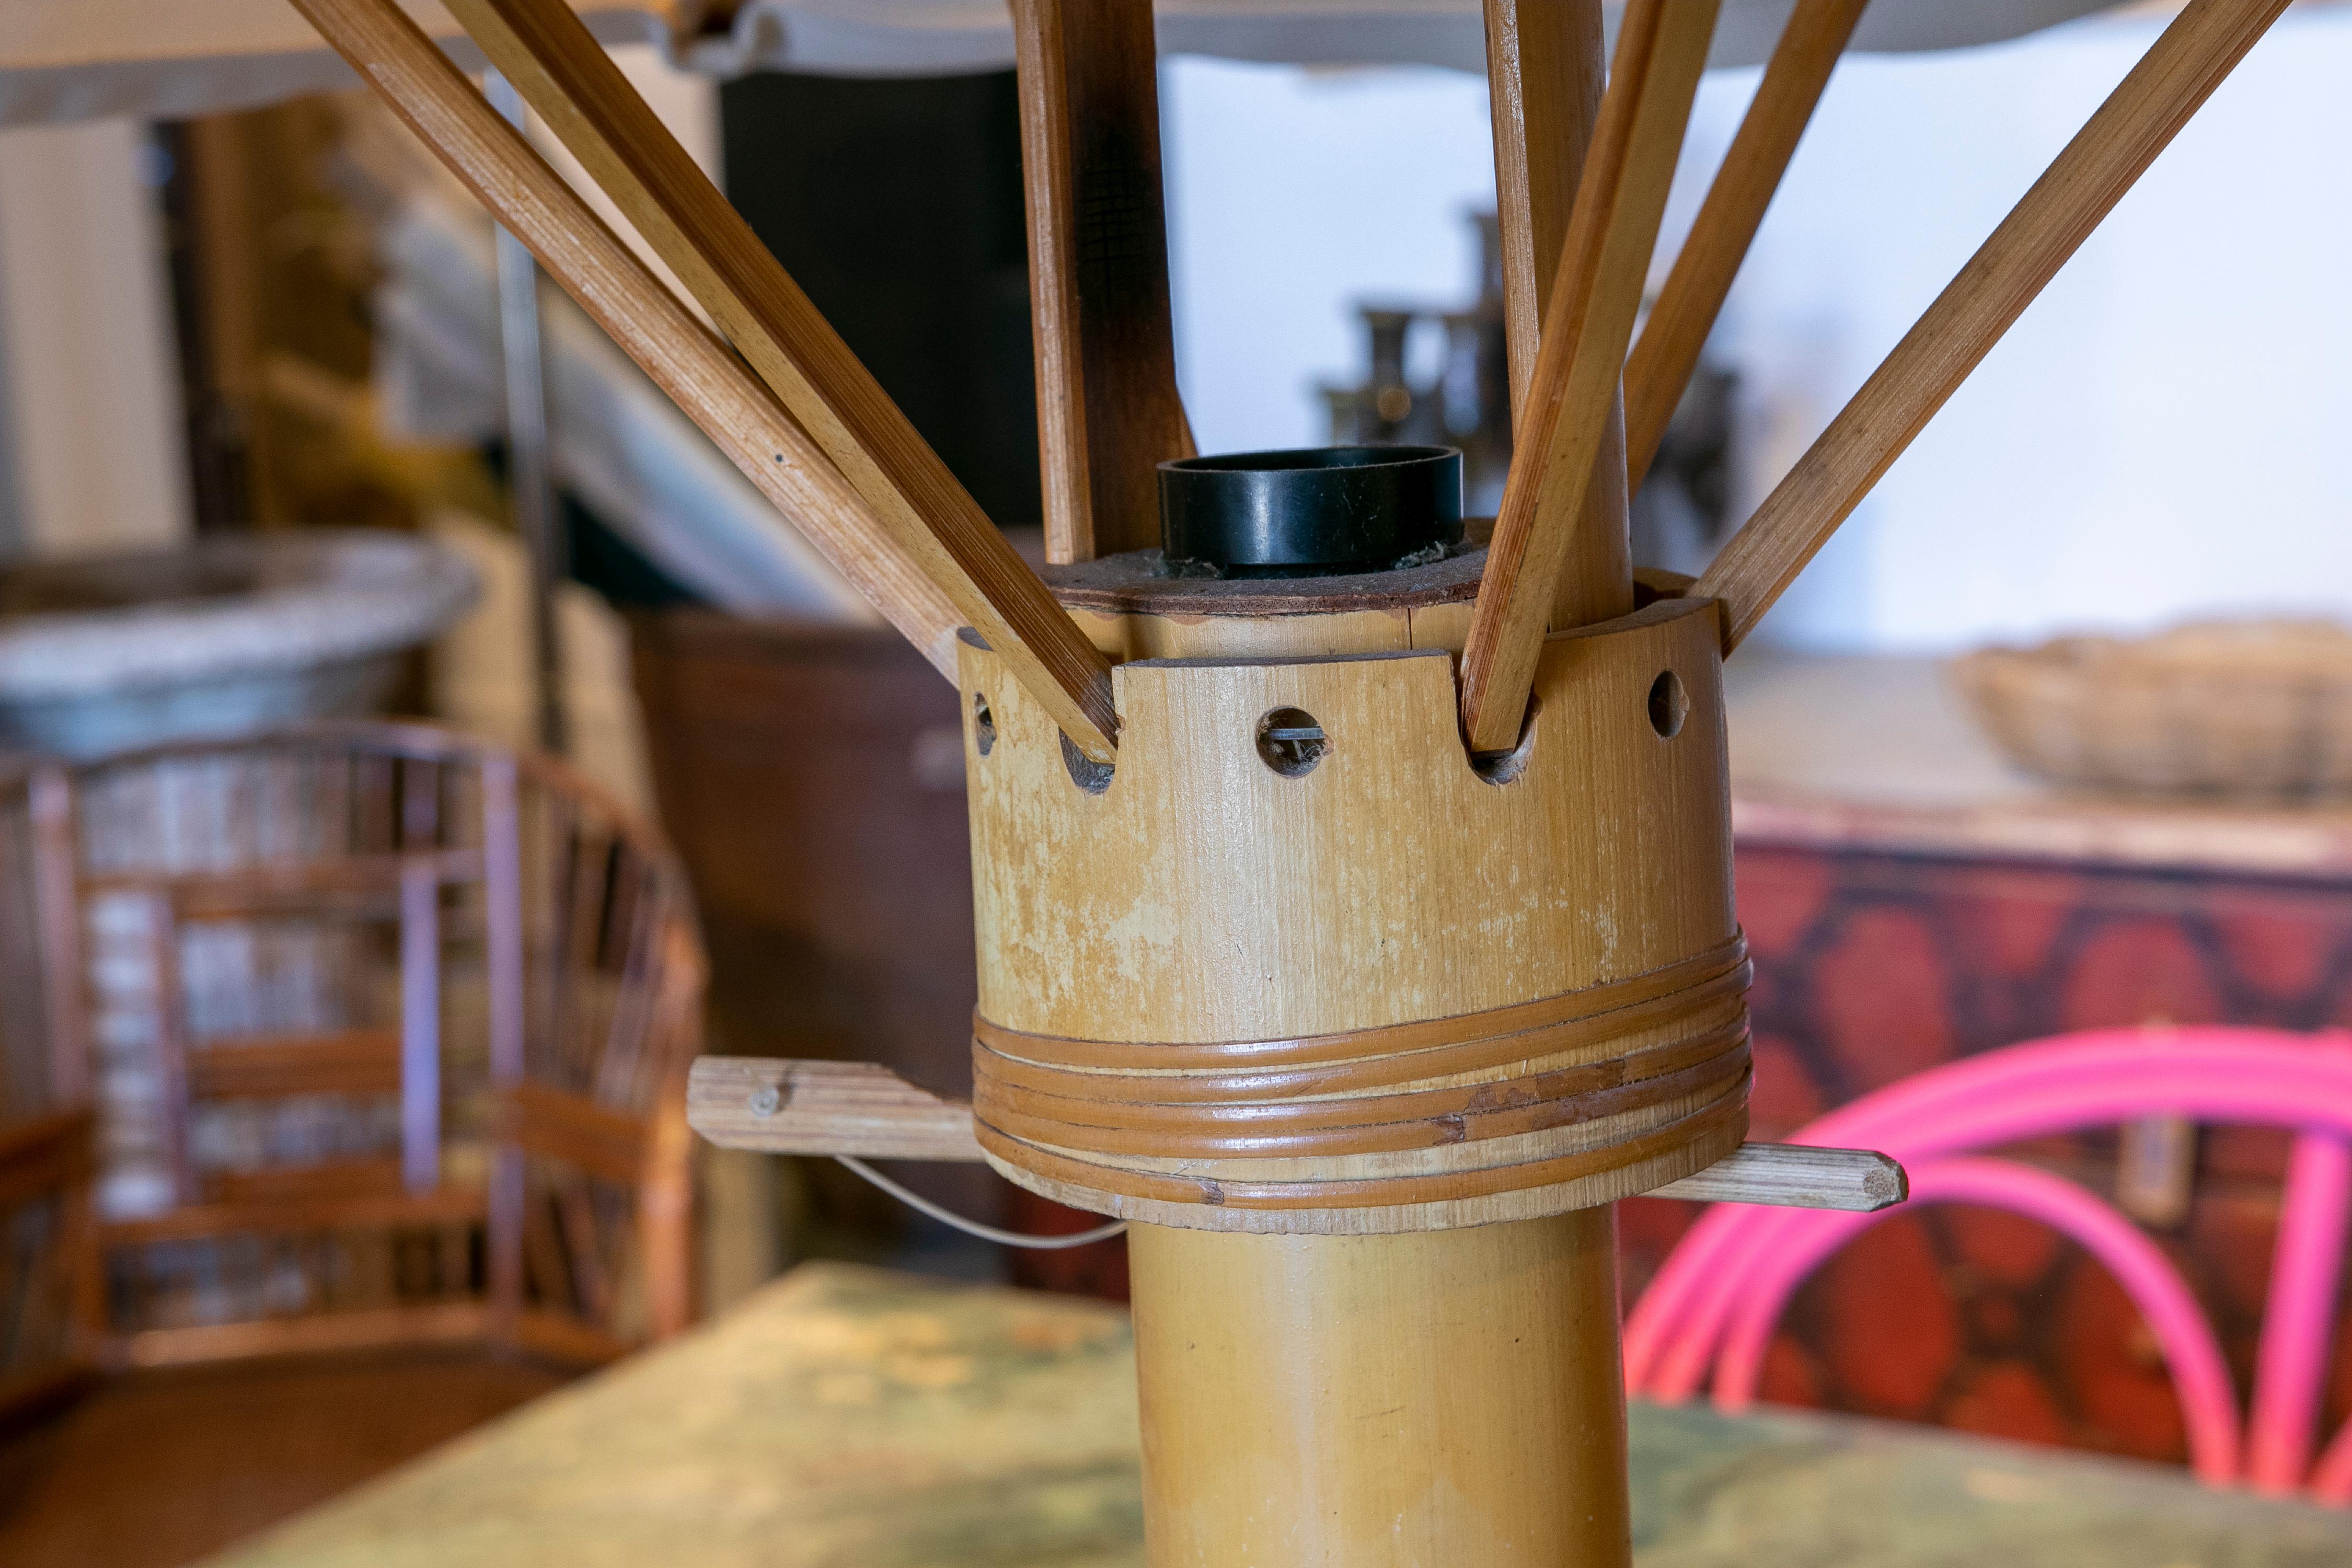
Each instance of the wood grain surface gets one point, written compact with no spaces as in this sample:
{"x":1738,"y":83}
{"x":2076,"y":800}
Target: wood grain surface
{"x":567,"y":76}
{"x":847,"y":1416}
{"x":781,"y":1107}
{"x":860,"y":1108}
{"x":682,"y":356}
{"x":1389,"y":885}
{"x":1587,"y":322}
{"x":1544,"y":69}
{"x":1667,"y":352}
{"x":1330,"y":1402}
{"x":1107,"y":408}
{"x":2138,"y":121}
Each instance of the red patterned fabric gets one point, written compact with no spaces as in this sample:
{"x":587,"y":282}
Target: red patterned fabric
{"x":1870,"y":967}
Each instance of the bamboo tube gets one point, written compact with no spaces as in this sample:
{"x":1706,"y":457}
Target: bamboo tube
{"x":1620,"y":198}
{"x":1451,"y":1397}
{"x":1108,"y":410}
{"x":932,"y":527}
{"x":1544,"y":79}
{"x":1433,"y":1382}
{"x":1668,"y":350}
{"x":2138,"y":120}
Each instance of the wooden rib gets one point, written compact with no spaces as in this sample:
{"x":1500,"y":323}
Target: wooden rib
{"x":1661,"y":52}
{"x":1544,"y":79}
{"x":548,"y":54}
{"x":1108,"y":409}
{"x":1668,"y":350}
{"x":610,"y":1145}
{"x":866,"y":1110}
{"x":287,"y":1215}
{"x":277,"y":1067}
{"x":923,"y":555}
{"x":2136,"y":122}
{"x":558,"y":66}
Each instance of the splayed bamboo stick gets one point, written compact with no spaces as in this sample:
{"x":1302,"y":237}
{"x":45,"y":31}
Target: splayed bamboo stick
{"x":2122,"y":138}
{"x":1544,"y":63}
{"x":1621,"y":197}
{"x":1667,"y":352}
{"x":911,"y":516}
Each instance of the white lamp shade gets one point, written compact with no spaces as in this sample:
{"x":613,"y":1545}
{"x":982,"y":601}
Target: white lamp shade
{"x":82,"y":60}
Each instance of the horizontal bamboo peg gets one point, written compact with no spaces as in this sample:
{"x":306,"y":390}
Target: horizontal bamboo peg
{"x":1668,"y":350}
{"x":2138,"y":120}
{"x":912,"y":514}
{"x":1620,"y":200}
{"x":861,"y":1109}
{"x":1797,"y":1176}
{"x":776,"y":1107}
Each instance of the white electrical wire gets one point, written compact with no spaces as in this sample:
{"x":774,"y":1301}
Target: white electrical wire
{"x":972,"y":1227}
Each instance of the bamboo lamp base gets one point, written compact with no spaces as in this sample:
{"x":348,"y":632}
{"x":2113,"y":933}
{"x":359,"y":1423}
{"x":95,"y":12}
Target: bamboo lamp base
{"x":1367,"y":985}
{"x":1324,"y":1001}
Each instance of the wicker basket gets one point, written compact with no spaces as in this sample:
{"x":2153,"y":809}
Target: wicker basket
{"x":2258,"y":709}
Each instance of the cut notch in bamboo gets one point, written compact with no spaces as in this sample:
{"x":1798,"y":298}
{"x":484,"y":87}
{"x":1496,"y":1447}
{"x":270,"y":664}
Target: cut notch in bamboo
{"x":909,"y":517}
{"x":1667,"y":352}
{"x":2082,"y":185}
{"x":1620,"y":199}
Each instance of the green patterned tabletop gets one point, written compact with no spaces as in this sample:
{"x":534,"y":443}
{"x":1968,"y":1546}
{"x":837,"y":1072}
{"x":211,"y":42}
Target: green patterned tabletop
{"x":850,"y":1418}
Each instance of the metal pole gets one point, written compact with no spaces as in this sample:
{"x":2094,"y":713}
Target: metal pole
{"x":529,"y":472}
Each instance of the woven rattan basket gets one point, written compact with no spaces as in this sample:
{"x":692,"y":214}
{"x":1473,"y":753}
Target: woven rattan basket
{"x":2258,"y":709}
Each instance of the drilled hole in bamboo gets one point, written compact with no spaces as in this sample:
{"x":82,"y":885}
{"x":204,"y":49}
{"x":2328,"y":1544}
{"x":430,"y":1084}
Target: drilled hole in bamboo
{"x":984,"y":723}
{"x":1291,"y":740}
{"x":1669,"y":705}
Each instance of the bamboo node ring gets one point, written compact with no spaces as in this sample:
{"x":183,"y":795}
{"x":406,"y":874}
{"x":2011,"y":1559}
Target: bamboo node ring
{"x":1633,"y":1069}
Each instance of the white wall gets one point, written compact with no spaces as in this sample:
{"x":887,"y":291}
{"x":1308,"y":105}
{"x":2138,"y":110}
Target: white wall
{"x":2161,"y":436}
{"x":1292,"y":194}
{"x":93,"y":448}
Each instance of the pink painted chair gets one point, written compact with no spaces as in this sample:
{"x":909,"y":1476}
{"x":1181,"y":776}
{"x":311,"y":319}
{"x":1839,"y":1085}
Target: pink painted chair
{"x":1717,"y":1300}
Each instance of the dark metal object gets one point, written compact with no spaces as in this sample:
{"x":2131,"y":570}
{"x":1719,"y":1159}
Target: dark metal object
{"x":1314,"y":511}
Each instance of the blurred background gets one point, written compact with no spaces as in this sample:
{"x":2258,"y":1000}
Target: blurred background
{"x":222,"y":335}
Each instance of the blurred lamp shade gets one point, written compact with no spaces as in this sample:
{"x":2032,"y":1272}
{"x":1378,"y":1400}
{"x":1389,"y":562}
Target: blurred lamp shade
{"x":85,"y":59}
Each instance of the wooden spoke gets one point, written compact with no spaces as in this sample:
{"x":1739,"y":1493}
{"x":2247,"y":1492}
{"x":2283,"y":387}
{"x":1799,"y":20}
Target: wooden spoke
{"x":1621,"y":197}
{"x":1108,"y":410}
{"x":777,"y":1107}
{"x":889,"y":516}
{"x":1544,"y":76}
{"x":1668,"y":350}
{"x":2136,"y":122}
{"x":1544,"y":71}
